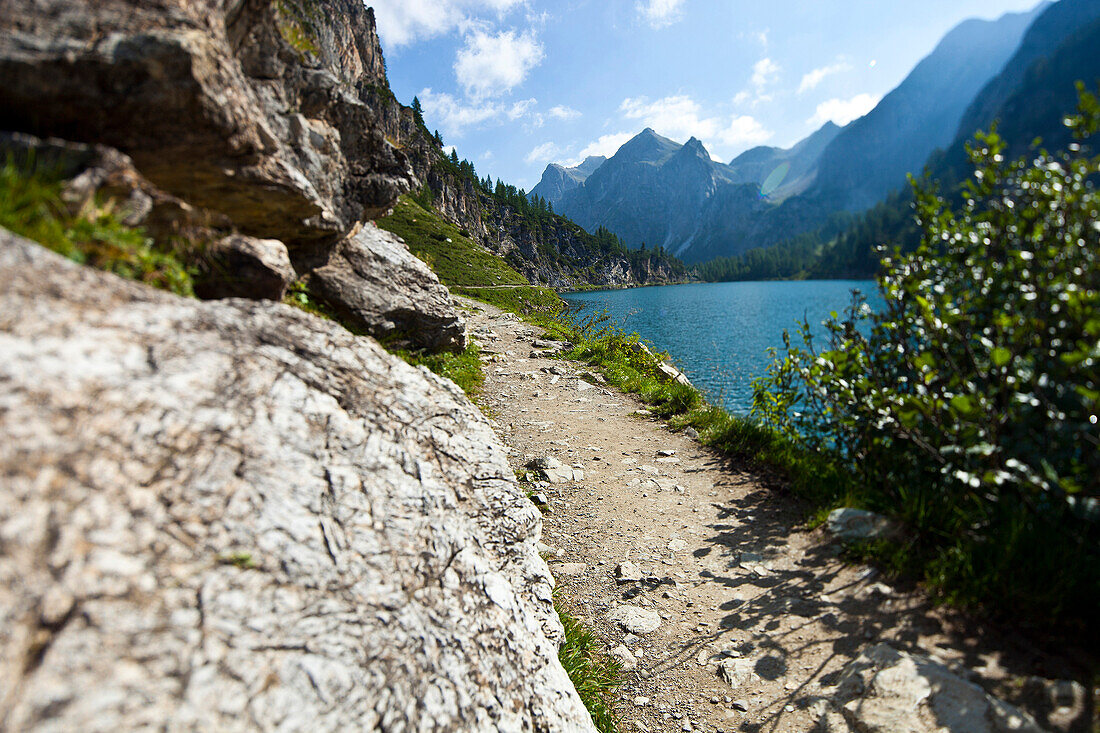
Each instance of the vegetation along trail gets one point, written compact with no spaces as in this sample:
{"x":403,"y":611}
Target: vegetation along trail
{"x":742,"y":617}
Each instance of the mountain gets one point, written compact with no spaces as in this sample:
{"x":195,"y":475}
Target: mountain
{"x":657,"y":192}
{"x":872,"y":155}
{"x":557,"y":180}
{"x":1029,"y":99}
{"x":1035,"y":89}
{"x":650,"y":192}
{"x":791,"y":170}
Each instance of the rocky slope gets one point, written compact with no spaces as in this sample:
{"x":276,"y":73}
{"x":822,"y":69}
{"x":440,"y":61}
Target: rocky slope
{"x":557,"y":180}
{"x":218,"y":114}
{"x":545,"y":248}
{"x":232,"y":515}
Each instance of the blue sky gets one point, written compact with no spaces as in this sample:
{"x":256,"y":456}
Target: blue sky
{"x":515,"y":84}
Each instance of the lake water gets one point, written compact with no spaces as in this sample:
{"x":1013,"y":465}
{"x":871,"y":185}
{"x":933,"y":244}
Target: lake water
{"x":719,"y":333}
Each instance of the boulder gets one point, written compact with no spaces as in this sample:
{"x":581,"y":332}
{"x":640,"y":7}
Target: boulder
{"x":856,"y":524}
{"x":624,"y":657}
{"x":670,"y":373}
{"x":635,"y":620}
{"x":373,"y":280}
{"x":737,"y":673}
{"x":554,"y":471}
{"x":245,"y":267}
{"x":889,"y":691}
{"x":237,"y":107}
{"x":232,"y":515}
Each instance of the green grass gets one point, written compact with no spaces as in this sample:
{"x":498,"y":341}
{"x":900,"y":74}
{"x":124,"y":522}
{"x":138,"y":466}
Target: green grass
{"x":31,"y":206}
{"x":459,"y":262}
{"x":464,"y":368}
{"x":538,"y":305}
{"x":592,"y":671}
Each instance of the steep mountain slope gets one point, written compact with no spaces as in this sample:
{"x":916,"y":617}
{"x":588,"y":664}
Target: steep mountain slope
{"x":650,"y":191}
{"x":1036,"y":89}
{"x":558,"y":180}
{"x":760,"y":164}
{"x":872,"y":155}
{"x":1029,"y":99}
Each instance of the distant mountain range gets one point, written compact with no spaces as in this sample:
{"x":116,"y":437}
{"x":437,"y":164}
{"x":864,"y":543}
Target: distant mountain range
{"x":1020,"y":67}
{"x":1028,"y":99}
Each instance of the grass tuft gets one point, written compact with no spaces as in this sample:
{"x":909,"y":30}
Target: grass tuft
{"x":31,"y":206}
{"x":464,"y":368}
{"x":592,"y":671}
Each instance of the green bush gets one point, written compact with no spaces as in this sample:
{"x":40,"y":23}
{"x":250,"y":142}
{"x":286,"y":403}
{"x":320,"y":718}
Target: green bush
{"x":969,"y":405}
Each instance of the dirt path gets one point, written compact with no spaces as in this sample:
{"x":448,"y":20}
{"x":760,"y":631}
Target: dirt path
{"x":732,"y":575}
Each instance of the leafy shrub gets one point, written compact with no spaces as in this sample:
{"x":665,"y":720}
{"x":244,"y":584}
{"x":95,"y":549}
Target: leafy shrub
{"x":969,"y":405}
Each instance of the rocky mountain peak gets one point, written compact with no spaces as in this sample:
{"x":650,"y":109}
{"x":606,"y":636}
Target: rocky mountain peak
{"x":646,"y":147}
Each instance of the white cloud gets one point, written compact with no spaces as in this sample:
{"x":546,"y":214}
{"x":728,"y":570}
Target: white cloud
{"x":494,"y":63}
{"x":843,"y":111}
{"x":455,"y":116}
{"x":744,"y":131}
{"x":606,"y":145}
{"x":764,"y":72}
{"x":660,"y":13}
{"x":522,"y":109}
{"x":561,"y":112}
{"x":542,"y":154}
{"x":680,"y":117}
{"x":401,"y":22}
{"x":815,"y":77}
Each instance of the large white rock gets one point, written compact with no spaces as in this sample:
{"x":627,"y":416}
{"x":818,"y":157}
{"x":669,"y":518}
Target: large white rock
{"x":635,"y":620}
{"x":235,"y":516}
{"x":888,"y":691}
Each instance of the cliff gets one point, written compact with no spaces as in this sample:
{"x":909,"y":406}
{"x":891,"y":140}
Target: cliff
{"x":545,"y":248}
{"x":230,"y":514}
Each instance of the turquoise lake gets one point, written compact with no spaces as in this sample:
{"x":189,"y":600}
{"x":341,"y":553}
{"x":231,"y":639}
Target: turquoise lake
{"x":719,"y":333}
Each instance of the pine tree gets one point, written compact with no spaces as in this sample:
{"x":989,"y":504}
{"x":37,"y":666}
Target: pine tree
{"x":418,"y":112}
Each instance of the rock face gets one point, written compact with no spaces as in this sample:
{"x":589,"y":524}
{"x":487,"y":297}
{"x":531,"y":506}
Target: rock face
{"x":250,"y":108}
{"x":231,"y":515}
{"x":557,"y":180}
{"x":373,"y":279}
{"x":252,"y":125}
{"x":888,"y":691}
